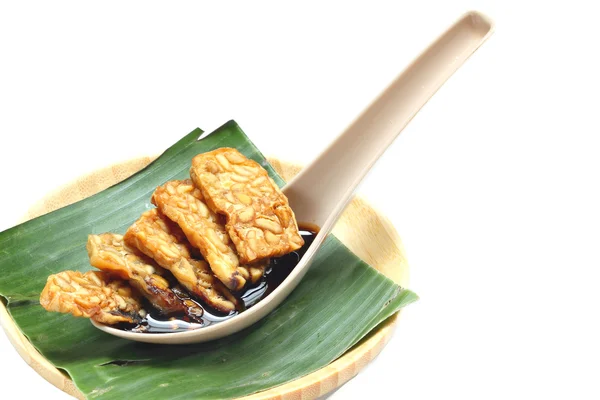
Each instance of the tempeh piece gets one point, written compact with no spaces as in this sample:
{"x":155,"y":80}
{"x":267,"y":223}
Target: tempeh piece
{"x":94,"y":295}
{"x":257,"y":271}
{"x":182,"y":203}
{"x":157,"y":237}
{"x":260,"y":221}
{"x":254,"y":272}
{"x":109,"y":253}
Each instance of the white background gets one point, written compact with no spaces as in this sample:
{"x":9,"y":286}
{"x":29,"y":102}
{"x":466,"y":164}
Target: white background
{"x":493,"y":187}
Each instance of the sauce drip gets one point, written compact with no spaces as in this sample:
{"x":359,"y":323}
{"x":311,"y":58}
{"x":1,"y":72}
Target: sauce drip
{"x":278,"y":269}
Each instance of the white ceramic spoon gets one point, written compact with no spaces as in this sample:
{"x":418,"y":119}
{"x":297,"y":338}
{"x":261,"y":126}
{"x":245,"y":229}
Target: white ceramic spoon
{"x":322,"y":190}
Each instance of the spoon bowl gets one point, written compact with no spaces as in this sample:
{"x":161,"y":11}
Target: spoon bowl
{"x":322,"y":190}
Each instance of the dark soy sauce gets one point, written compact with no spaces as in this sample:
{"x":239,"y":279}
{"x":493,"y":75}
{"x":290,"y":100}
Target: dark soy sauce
{"x":278,"y":269}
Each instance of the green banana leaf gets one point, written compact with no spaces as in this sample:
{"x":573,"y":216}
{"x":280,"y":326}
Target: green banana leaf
{"x":338,"y":302}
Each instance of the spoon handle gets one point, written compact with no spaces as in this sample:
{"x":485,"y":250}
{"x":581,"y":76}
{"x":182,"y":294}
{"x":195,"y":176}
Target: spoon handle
{"x":321,"y":191}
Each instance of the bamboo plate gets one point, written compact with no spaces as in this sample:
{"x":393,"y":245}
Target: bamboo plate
{"x":366,"y":232}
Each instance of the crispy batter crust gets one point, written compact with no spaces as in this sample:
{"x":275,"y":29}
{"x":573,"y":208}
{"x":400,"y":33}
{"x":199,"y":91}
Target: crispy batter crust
{"x":260,"y":221}
{"x":182,"y":203}
{"x":157,"y":237}
{"x":109,"y":253}
{"x":94,"y":295}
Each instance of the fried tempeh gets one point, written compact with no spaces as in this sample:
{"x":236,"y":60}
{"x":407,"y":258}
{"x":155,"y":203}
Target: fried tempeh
{"x":183,"y":203}
{"x":254,"y":272}
{"x":260,"y":221}
{"x":161,"y":239}
{"x":94,"y":295}
{"x":109,"y":253}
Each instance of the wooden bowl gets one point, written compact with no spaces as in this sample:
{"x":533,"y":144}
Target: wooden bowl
{"x":365,"y":231}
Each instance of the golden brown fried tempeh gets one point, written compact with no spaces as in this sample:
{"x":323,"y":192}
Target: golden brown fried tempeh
{"x":109,"y":253}
{"x":253,"y":272}
{"x":156,"y":236}
{"x":94,"y":295}
{"x":260,"y":221}
{"x":182,"y":203}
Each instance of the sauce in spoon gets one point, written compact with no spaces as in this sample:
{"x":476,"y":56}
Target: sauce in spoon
{"x":277,"y":270}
